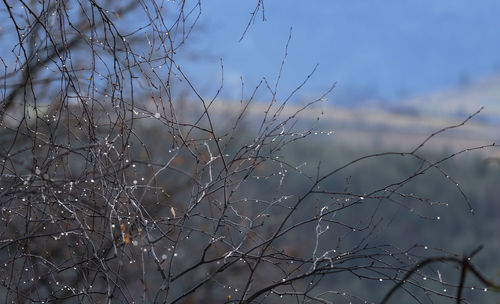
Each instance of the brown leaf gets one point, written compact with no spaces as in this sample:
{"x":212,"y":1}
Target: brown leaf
{"x":126,"y":238}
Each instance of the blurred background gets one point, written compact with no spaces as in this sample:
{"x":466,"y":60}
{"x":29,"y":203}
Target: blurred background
{"x":379,"y":52}
{"x":404,"y":67}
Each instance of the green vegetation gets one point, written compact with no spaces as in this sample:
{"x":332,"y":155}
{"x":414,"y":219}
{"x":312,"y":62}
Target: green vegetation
{"x":407,"y":221}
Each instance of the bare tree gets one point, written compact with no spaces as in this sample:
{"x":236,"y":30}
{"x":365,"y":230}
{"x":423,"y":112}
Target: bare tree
{"x":116,"y":187}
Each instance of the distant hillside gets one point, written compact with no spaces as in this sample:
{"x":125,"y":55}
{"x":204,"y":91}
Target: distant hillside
{"x":457,"y":102}
{"x":384,"y":129}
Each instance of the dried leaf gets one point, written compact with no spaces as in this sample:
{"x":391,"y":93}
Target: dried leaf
{"x":126,"y":238}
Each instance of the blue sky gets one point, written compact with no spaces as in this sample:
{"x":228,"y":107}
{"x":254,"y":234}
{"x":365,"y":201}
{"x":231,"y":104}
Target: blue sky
{"x":383,"y":49}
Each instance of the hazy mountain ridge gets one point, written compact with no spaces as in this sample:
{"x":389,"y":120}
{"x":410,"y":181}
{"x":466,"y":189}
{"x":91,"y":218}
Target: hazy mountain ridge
{"x":461,"y":101}
{"x":405,"y":124}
